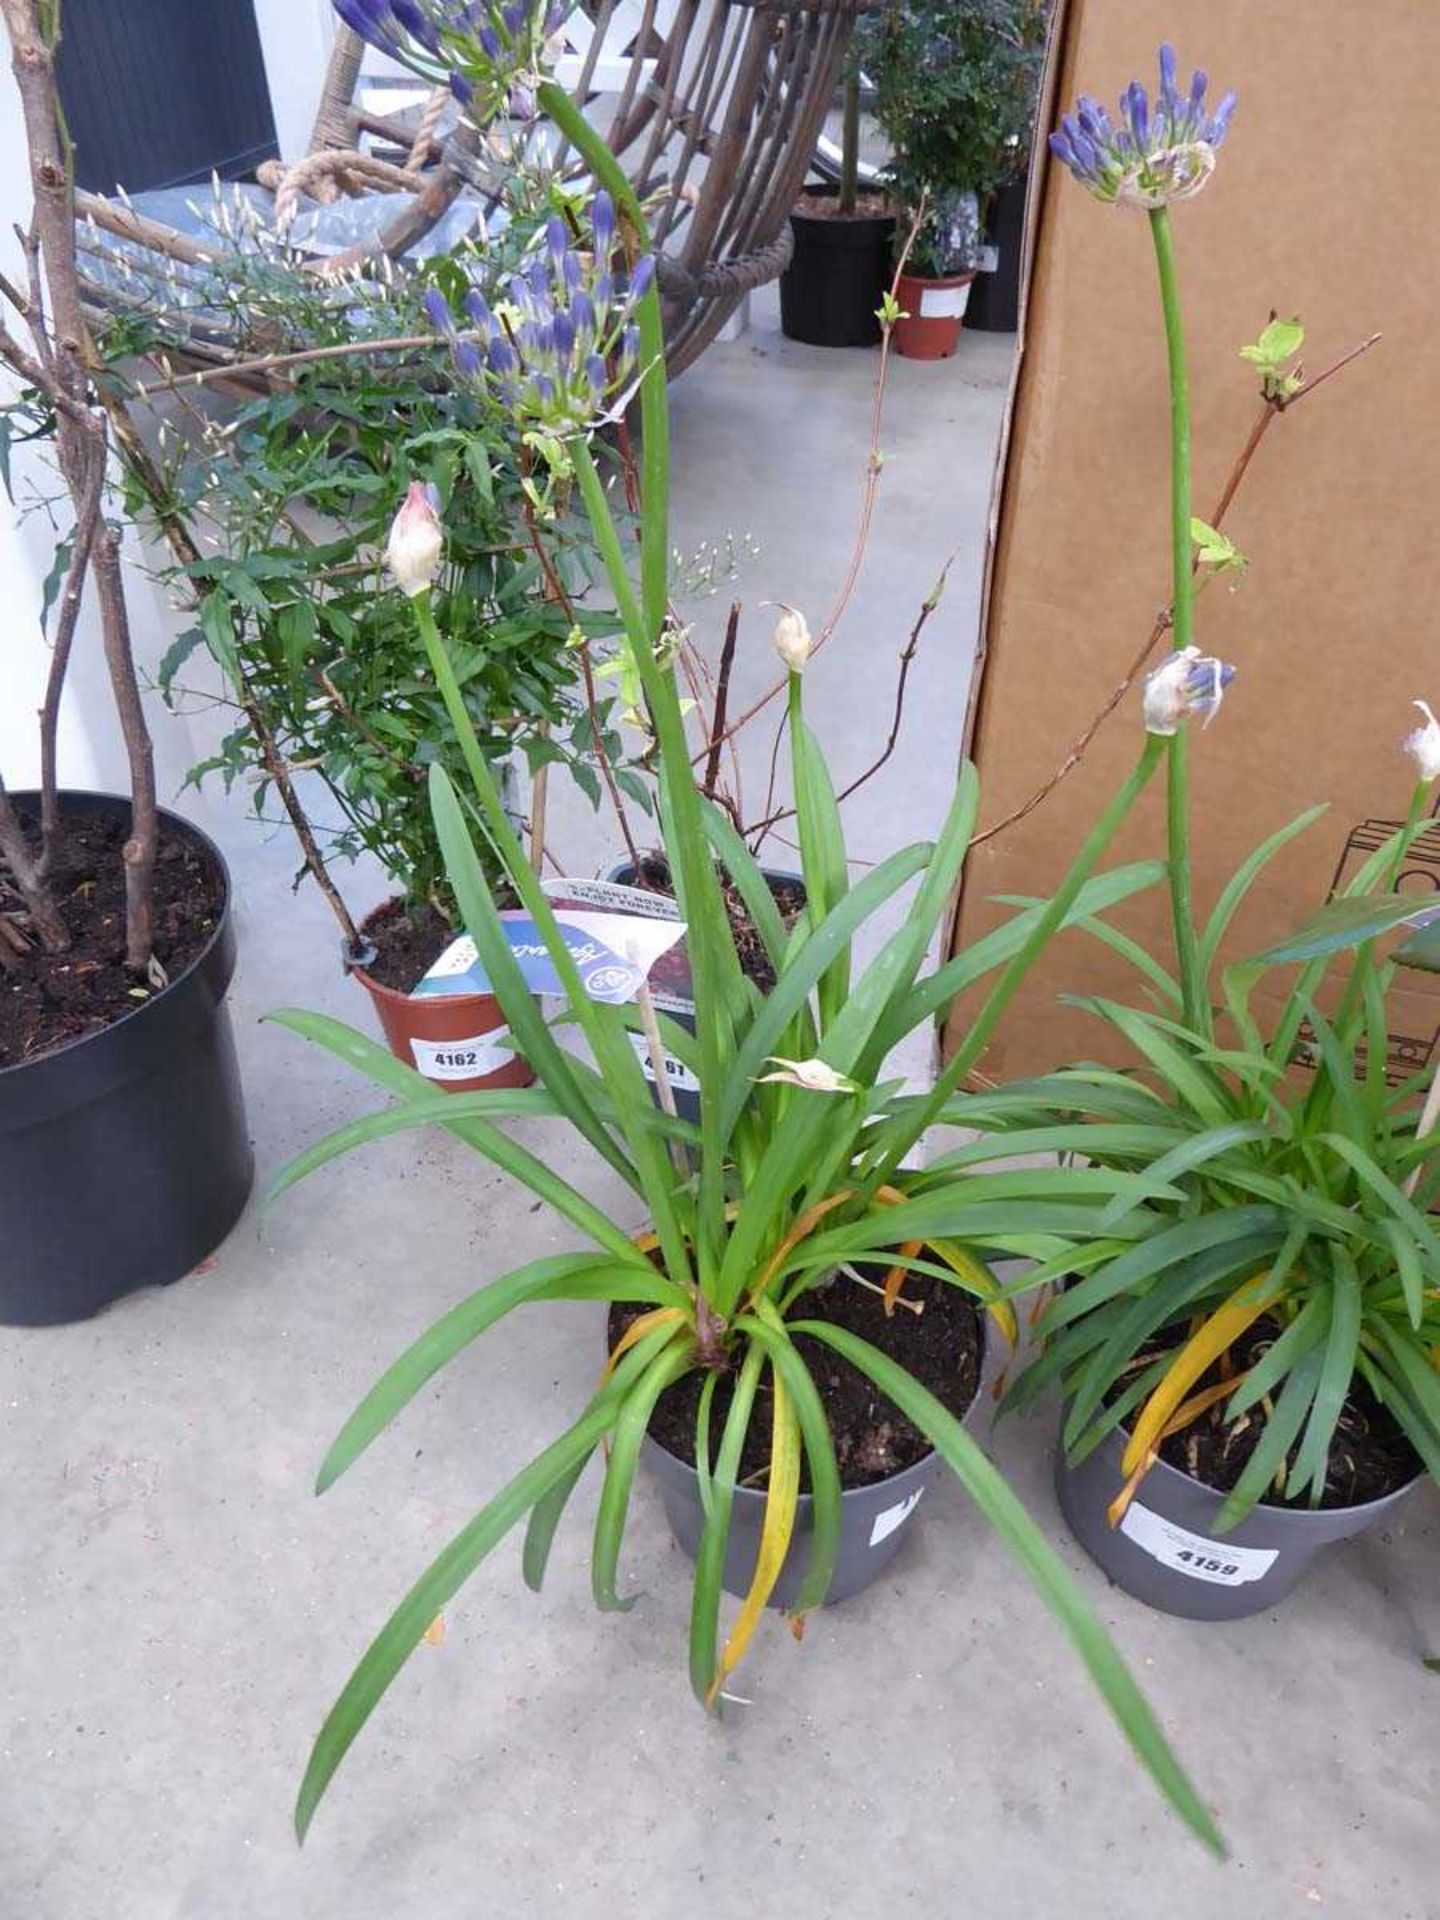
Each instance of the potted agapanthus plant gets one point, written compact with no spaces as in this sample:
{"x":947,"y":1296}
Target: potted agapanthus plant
{"x":743,"y":1286}
{"x":1253,"y":1376}
{"x":955,"y":91}
{"x":124,"y":1156}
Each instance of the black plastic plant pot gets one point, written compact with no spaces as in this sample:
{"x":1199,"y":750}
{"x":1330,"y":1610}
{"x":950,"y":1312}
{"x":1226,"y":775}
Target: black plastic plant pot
{"x":124,"y":1157}
{"x":874,"y":1521}
{"x":684,"y":1086}
{"x":995,"y":297}
{"x":830,"y":293}
{"x":1167,"y":1552}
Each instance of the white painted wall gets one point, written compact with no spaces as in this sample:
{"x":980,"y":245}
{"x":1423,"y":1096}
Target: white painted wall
{"x":296,"y":36}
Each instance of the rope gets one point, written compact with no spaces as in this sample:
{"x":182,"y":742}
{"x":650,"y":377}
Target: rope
{"x":429,"y":125}
{"x":325,"y":177}
{"x":723,"y":279}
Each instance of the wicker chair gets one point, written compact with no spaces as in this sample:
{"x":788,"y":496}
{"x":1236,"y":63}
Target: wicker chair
{"x":715,"y":106}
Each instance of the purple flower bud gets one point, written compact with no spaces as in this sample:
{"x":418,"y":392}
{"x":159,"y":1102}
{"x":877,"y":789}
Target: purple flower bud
{"x":555,"y":238}
{"x":500,"y":356}
{"x":437,"y":307}
{"x":556,"y":14}
{"x":595,"y":373}
{"x":602,"y":223}
{"x":461,"y":88}
{"x":544,"y":388}
{"x":582,"y":312}
{"x":641,"y":276}
{"x":479,"y":311}
{"x":522,"y":103}
{"x":490,"y":44}
{"x":467,"y":358}
{"x":513,"y":18}
{"x":602,"y":291}
{"x":630,"y":343}
{"x":1199,"y":80}
{"x":1167,"y":69}
{"x":416,"y":24}
{"x":1219,"y":126}
{"x":572,"y":272}
{"x":563,"y":337}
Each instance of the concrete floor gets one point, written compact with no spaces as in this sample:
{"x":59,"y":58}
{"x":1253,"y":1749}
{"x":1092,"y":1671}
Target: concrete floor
{"x":180,"y":1612}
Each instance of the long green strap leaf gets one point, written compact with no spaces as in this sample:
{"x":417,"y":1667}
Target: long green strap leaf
{"x":625,"y":1442}
{"x":992,"y":1494}
{"x":559,"y":1276}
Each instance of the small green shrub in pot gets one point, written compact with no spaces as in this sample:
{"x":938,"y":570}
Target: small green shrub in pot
{"x":955,"y":88}
{"x":765,"y":1235}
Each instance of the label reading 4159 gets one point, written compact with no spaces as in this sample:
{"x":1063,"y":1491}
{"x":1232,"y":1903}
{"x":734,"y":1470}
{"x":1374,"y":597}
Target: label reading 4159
{"x":1218,"y":1561}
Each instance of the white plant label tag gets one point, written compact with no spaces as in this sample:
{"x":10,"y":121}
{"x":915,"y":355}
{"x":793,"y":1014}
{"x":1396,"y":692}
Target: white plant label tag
{"x":463,"y":1059}
{"x":944,"y":303}
{"x":988,"y":260}
{"x":1217,"y":1561}
{"x":681,"y":1079}
{"x":885,"y":1523}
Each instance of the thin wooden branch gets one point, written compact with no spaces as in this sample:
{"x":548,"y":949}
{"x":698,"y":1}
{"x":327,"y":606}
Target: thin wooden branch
{"x":45,"y":916}
{"x":1270,"y":411}
{"x":722,"y":702}
{"x":66,"y":617}
{"x":143,"y":843}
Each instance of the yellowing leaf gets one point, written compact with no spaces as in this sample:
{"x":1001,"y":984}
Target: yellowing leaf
{"x":1204,"y":1346}
{"x":1192,"y":1409}
{"x":977,"y":1275}
{"x":638,"y":1328}
{"x":775,"y":1533}
{"x":435,"y":1632}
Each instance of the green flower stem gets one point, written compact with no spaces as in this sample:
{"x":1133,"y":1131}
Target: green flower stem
{"x":1004,"y":989}
{"x":1182,"y":602}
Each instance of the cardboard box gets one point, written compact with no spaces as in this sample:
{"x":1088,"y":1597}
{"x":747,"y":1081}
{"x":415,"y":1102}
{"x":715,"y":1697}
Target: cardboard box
{"x":1313,"y":210}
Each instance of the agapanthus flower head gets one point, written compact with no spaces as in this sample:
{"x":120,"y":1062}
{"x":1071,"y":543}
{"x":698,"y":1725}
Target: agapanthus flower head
{"x":1188,"y":682}
{"x":489,"y":54}
{"x":1423,"y":745}
{"x":561,"y":348}
{"x":1155,"y":151}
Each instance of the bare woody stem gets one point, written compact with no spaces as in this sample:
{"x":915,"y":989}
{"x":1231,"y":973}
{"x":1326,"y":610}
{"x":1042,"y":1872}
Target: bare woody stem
{"x":66,"y":619}
{"x":62,"y":373}
{"x":45,"y":916}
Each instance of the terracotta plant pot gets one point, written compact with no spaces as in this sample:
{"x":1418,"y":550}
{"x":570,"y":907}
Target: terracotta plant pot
{"x":935,"y":311}
{"x":458,"y":1040}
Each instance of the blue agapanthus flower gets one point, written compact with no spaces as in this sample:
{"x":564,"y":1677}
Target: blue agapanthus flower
{"x":561,"y":349}
{"x":488,"y":52}
{"x":1160,"y":151}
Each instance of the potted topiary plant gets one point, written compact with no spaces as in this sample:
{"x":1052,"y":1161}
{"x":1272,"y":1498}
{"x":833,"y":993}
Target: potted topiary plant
{"x":955,"y":88}
{"x":830,"y":292}
{"x":124,"y":1158}
{"x":784,"y":1248}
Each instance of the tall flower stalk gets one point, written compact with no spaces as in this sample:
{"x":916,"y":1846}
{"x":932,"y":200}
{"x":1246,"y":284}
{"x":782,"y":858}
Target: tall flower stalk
{"x":1151,"y":154}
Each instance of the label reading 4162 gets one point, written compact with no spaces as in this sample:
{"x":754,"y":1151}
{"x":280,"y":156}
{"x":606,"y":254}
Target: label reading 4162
{"x":463,"y":1059}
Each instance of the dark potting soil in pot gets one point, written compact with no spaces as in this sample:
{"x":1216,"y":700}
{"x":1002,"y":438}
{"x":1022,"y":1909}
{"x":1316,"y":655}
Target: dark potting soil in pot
{"x":826,"y":206}
{"x":408,"y":942}
{"x":755,"y":962}
{"x":1369,"y":1455}
{"x":406,"y":945}
{"x":940,"y":1347}
{"x":49,"y":1000}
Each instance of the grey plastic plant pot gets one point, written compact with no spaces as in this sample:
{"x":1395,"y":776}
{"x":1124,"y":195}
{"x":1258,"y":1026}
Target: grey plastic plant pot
{"x":874,"y":1521}
{"x":1167,"y":1552}
{"x":684,"y":1087}
{"x":124,"y":1156}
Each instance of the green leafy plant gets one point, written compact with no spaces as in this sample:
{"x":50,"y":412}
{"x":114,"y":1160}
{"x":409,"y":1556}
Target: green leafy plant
{"x":955,"y":87}
{"x":1296,"y":1272}
{"x":788,"y":1175}
{"x":286,"y":503}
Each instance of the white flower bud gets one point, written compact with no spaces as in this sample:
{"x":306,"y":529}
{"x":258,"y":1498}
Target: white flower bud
{"x":1188,"y":682}
{"x":1423,"y":745}
{"x":813,"y":1075}
{"x":792,"y":640}
{"x":417,"y":542}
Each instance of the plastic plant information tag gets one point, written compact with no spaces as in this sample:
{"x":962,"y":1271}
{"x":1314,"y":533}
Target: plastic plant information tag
{"x":613,"y":952}
{"x":1217,"y":1561}
{"x":885,"y":1523}
{"x":676,"y":1072}
{"x":463,"y":1059}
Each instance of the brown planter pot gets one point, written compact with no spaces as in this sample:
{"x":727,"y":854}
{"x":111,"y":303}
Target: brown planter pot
{"x":936,"y":313}
{"x":458,"y":1040}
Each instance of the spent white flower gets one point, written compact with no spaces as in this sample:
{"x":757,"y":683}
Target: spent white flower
{"x":792,"y":639}
{"x":813,"y":1075}
{"x":417,"y":542}
{"x":1423,"y":745}
{"x":1188,"y":682}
